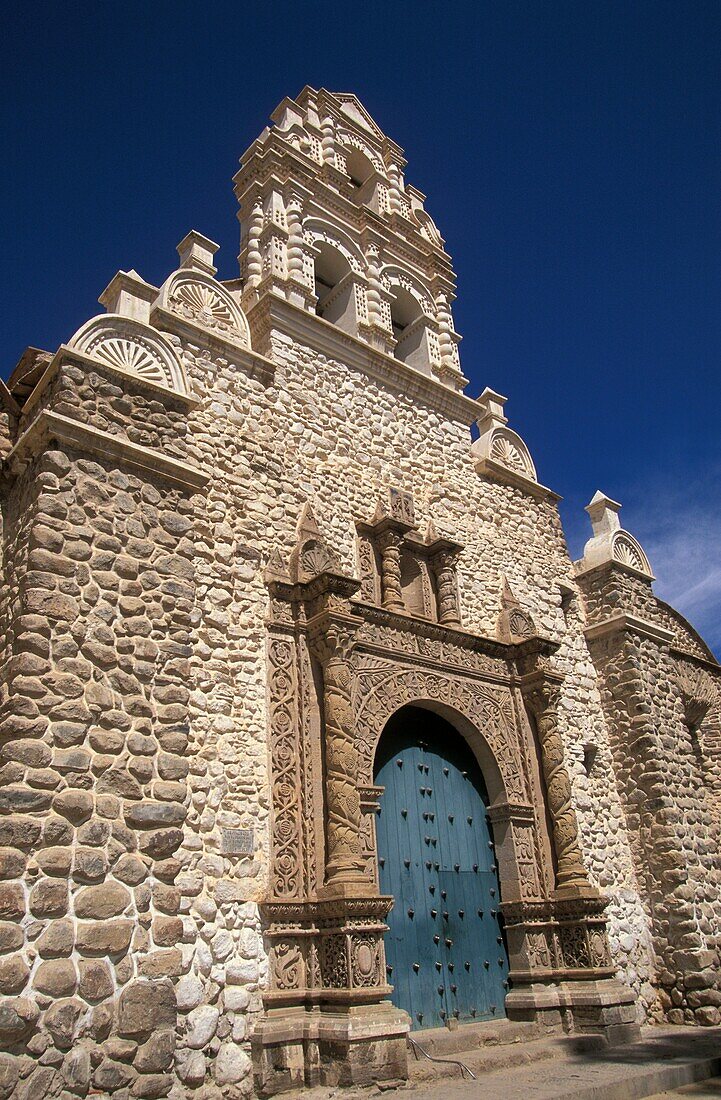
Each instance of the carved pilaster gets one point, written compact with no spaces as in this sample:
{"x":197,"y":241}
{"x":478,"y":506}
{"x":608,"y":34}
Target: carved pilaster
{"x":332,"y":641}
{"x":443,"y":564}
{"x":389,"y":544}
{"x":541,"y":691}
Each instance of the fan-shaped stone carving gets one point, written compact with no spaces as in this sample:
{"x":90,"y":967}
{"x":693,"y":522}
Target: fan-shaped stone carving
{"x":699,"y":693}
{"x":514,"y":622}
{"x":133,"y":348}
{"x":201,"y":299}
{"x":510,"y":451}
{"x":627,"y":551}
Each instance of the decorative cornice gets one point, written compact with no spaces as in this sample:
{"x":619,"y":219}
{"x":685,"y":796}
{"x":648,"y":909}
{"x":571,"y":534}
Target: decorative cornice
{"x":66,"y":354}
{"x":494,"y":471}
{"x":332,"y":909}
{"x":256,"y":365}
{"x":609,"y":567}
{"x":694,"y":658}
{"x":325,"y":584}
{"x":275,"y":312}
{"x":451,"y":639}
{"x":624,"y":621}
{"x":50,"y":425}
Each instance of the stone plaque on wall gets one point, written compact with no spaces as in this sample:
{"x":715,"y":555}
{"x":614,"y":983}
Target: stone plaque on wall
{"x":238,"y":842}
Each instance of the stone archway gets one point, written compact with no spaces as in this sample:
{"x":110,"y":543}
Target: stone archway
{"x":484,"y":714}
{"x":445,"y":950}
{"x":338,"y":669}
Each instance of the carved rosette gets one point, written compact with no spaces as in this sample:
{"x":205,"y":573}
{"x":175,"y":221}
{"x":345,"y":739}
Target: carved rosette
{"x":542,"y":696}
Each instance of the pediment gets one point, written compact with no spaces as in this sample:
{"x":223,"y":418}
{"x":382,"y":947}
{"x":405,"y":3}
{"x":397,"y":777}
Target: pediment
{"x":353,"y":109}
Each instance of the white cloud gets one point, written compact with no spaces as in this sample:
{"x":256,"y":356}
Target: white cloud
{"x":684,"y":547}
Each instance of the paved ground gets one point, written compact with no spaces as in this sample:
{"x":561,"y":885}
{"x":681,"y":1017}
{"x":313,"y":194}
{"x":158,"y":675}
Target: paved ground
{"x":704,"y":1090}
{"x":666,"y":1058}
{"x":560,"y":1069}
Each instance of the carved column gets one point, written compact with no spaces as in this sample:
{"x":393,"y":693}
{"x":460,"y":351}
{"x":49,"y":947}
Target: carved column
{"x":443,"y":564}
{"x":328,"y":140}
{"x":254,"y":258}
{"x":389,"y":544}
{"x":541,"y":691}
{"x":377,"y":329}
{"x":394,"y":191}
{"x":332,"y":642}
{"x":299,"y":289}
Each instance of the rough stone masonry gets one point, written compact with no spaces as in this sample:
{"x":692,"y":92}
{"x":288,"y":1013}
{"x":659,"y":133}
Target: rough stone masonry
{"x":243,"y":525}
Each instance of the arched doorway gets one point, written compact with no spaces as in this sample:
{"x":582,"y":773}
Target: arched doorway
{"x":445,"y":948}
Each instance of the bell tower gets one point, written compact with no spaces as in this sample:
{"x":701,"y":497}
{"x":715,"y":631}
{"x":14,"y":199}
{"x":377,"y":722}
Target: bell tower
{"x":329,"y":226}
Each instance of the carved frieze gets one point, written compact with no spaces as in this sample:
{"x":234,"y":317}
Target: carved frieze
{"x":287,"y":840}
{"x":382,"y":687}
{"x":432,"y":643}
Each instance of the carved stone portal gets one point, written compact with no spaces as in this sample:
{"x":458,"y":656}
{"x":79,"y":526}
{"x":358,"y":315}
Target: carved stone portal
{"x":338,"y":669}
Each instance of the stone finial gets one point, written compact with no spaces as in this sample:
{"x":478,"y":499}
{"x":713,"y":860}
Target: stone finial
{"x":311,"y":555}
{"x":129,"y":296}
{"x":610,"y":542}
{"x":492,"y":415}
{"x":196,"y":252}
{"x":276,"y":569}
{"x":603,"y":513}
{"x":498,"y":448}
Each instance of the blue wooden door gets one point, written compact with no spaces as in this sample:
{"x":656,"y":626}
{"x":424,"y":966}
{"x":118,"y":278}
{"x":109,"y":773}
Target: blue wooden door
{"x":445,"y":949}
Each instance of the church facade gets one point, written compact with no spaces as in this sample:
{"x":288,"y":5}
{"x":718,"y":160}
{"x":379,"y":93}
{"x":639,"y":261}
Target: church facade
{"x":311,"y":731}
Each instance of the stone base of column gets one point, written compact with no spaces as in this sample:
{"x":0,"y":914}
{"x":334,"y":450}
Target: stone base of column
{"x":606,"y":1007}
{"x":354,"y":1045}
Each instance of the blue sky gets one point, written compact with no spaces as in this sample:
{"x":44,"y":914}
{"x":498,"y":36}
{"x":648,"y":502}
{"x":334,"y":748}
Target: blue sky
{"x":571,"y":155}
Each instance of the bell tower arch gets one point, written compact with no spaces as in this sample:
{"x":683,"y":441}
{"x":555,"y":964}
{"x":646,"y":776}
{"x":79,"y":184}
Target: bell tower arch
{"x":326,"y":163}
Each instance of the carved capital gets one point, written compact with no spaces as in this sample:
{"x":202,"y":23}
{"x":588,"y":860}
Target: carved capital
{"x":332,"y":639}
{"x":542,"y":691}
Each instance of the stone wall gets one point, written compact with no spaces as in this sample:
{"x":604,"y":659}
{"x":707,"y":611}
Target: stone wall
{"x":135,"y":699}
{"x":665,"y":789}
{"x":318,"y":431}
{"x":96,"y":617}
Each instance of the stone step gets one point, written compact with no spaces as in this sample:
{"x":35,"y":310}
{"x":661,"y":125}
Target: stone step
{"x":702,"y":1090}
{"x":578,"y":1067}
{"x":482,"y":1061}
{"x":442,"y":1040}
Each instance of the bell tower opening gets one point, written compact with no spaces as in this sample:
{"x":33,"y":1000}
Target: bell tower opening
{"x":358,"y":166}
{"x":334,"y":288}
{"x":408,"y":330}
